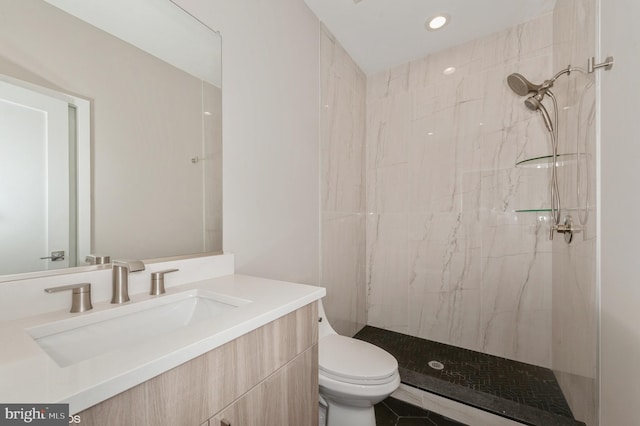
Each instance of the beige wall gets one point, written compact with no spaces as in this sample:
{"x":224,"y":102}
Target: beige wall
{"x":147,"y":125}
{"x":342,"y":186}
{"x":619,"y":203}
{"x":270,"y":79}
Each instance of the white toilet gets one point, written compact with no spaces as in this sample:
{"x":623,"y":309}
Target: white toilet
{"x":354,"y":375}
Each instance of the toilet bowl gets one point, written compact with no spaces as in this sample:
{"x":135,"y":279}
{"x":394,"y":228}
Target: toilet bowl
{"x":353,"y":376}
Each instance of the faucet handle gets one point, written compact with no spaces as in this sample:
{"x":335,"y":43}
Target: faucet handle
{"x":94,"y":259}
{"x":157,"y":281}
{"x":80,"y":296}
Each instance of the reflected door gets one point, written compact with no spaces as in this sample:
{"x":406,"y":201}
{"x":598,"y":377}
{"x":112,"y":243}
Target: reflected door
{"x":34,"y":180}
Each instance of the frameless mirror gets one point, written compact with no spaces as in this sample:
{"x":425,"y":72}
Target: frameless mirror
{"x":110,"y":133}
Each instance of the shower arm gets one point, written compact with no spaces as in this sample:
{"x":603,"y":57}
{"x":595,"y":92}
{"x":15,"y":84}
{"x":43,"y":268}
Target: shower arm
{"x":568,"y":70}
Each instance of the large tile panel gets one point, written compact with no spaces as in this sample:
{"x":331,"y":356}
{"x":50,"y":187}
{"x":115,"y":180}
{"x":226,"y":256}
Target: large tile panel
{"x":448,"y":258}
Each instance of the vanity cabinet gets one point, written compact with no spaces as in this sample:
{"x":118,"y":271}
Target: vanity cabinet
{"x":268,"y":376}
{"x":285,"y":398}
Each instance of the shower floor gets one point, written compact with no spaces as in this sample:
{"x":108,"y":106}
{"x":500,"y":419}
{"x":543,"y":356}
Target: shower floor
{"x":511,"y":389}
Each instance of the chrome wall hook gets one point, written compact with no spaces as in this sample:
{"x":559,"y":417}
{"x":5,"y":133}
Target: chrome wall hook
{"x":592,"y":66}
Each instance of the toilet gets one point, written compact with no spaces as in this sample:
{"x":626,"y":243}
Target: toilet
{"x":353,"y":376}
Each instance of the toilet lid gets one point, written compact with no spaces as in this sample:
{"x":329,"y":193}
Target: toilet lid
{"x":354,"y":359}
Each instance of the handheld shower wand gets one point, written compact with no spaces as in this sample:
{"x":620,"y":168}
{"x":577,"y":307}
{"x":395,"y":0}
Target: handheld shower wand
{"x":534,"y":103}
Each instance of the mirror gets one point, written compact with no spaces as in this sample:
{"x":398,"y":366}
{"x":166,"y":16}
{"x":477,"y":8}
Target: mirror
{"x":148,"y":75}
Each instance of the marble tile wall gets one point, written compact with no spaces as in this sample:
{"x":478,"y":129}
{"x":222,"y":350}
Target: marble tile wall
{"x":447,"y":256}
{"x":574,"y":319}
{"x":342,"y":146}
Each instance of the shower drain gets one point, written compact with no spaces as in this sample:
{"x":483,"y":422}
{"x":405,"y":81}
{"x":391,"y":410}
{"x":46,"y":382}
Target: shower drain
{"x":436,"y":365}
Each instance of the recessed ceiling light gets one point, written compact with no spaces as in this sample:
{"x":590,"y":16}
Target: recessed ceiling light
{"x":449,"y":70}
{"x":437,"y":22}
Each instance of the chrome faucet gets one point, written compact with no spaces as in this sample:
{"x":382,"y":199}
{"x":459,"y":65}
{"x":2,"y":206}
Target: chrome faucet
{"x":121,"y":269}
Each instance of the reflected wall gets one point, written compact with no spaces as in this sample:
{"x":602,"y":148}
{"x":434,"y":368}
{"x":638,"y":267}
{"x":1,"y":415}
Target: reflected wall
{"x":152,"y":158}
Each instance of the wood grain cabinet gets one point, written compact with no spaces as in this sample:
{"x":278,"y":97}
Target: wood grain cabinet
{"x":288,"y":397}
{"x":266,"y":377}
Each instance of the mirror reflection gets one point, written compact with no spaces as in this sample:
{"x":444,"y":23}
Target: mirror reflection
{"x":110,"y":139}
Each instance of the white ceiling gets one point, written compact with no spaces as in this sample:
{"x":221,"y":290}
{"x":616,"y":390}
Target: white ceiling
{"x":379,"y":34}
{"x":158,"y":27}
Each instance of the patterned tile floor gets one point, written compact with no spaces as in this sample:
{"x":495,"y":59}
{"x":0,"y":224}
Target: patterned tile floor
{"x":393,"y":412}
{"x":512,"y":389}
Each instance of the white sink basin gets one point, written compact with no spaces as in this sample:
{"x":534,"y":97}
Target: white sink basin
{"x":92,"y":334}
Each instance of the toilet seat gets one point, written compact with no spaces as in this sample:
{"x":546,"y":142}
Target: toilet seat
{"x":354,"y":361}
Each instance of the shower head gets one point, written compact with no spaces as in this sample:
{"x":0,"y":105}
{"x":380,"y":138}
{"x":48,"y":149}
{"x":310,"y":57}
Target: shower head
{"x":534,"y":103}
{"x":521,"y":85}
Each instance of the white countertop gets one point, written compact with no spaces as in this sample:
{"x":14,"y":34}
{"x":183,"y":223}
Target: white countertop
{"x":28,"y":374}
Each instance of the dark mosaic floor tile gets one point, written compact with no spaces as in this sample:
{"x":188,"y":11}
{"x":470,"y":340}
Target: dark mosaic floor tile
{"x":414,"y":421}
{"x":384,"y":415}
{"x":403,"y":409}
{"x":512,"y":389}
{"x":439,"y":420}
{"x":393,"y":412}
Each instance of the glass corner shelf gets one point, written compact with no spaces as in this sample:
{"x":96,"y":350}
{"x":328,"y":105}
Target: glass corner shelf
{"x":533,"y":211}
{"x":543,"y":210}
{"x":547,"y":160}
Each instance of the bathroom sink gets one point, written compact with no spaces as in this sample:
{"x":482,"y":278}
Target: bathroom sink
{"x":88,"y":335}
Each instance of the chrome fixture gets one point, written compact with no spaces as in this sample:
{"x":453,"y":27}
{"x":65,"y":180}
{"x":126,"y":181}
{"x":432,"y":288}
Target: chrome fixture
{"x":535,"y":95}
{"x":524,"y":87}
{"x":56,"y":256}
{"x":521,"y":85}
{"x":80,"y":296}
{"x":94,"y":259}
{"x":534,"y":103}
{"x":592,"y":66}
{"x":157,"y":281}
{"x":121,"y":269}
{"x":568,"y":229}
